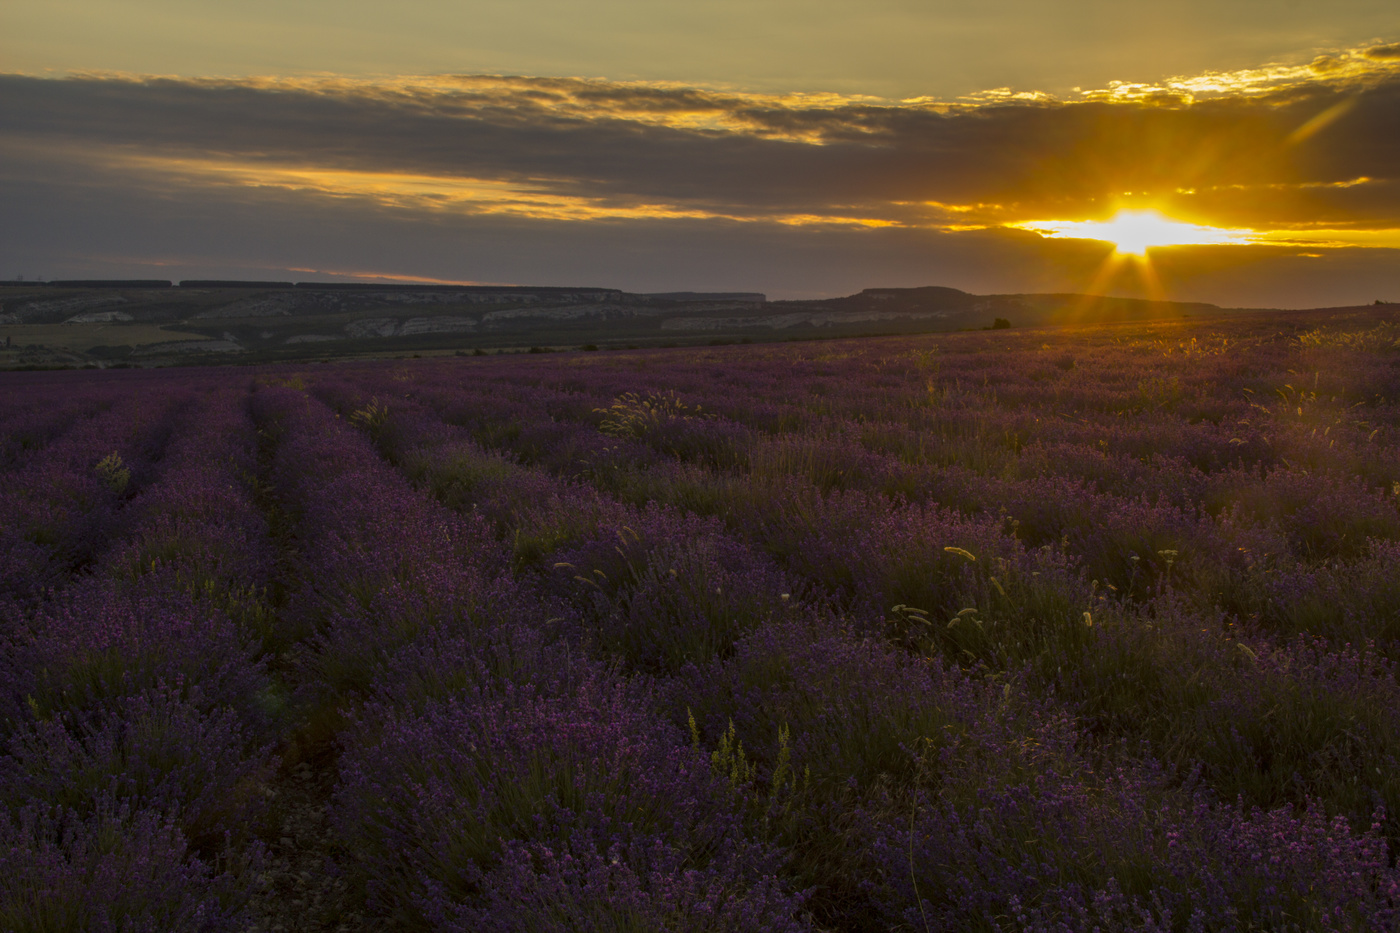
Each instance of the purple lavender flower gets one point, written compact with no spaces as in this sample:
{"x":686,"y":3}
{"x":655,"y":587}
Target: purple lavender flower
{"x":114,"y":871}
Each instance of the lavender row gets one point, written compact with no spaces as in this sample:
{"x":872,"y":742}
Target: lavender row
{"x":140,"y":717}
{"x":63,"y":505}
{"x":32,"y":420}
{"x":655,"y":586}
{"x":1230,"y":660}
{"x":1007,"y":606}
{"x":1007,"y":610}
{"x":559,"y":803}
{"x":1003,"y":398}
{"x":195,"y":551}
{"x":567,"y":758}
{"x":1134,"y":548}
{"x":1128,"y":544}
{"x":447,"y":462}
{"x":918,"y":796}
{"x":377,"y":561}
{"x":956,"y":717}
{"x":965,"y":405}
{"x":1229,"y":536}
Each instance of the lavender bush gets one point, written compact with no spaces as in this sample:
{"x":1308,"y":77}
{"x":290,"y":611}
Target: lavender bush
{"x":117,"y":870}
{"x":432,"y":801}
{"x":1018,"y":630}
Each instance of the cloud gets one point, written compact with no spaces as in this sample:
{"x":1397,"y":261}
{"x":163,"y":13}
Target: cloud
{"x":588,"y":148}
{"x":1300,"y":154}
{"x":103,"y":229}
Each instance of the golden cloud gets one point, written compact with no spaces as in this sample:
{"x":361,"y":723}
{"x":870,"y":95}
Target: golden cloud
{"x":1292,"y":152}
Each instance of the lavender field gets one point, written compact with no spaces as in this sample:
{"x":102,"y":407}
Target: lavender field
{"x":1041,"y":630}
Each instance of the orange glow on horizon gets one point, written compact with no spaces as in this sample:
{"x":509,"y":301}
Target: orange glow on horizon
{"x":1135,"y":232}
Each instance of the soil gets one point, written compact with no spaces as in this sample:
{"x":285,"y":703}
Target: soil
{"x":304,"y":890}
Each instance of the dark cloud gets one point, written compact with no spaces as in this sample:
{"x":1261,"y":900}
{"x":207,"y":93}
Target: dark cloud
{"x":730,"y":153}
{"x":679,"y":186}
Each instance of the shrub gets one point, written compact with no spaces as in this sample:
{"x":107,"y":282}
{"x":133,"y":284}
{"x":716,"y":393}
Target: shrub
{"x":114,"y":871}
{"x":435,"y":803}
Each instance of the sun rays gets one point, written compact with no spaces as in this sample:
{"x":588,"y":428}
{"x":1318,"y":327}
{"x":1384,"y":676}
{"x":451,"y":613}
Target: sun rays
{"x":1135,"y":232}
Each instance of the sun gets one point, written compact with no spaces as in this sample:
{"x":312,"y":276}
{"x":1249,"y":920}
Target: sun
{"x":1133,"y":233}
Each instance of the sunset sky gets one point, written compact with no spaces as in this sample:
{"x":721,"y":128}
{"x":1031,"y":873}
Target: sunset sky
{"x":803,"y":149}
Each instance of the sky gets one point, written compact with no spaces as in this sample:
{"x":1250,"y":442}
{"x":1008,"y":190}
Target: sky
{"x":1249,"y":150}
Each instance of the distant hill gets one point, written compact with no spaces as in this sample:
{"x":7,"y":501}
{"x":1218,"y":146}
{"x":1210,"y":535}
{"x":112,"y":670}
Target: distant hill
{"x":1030,"y":308}
{"x":938,"y":308}
{"x":141,"y":322}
